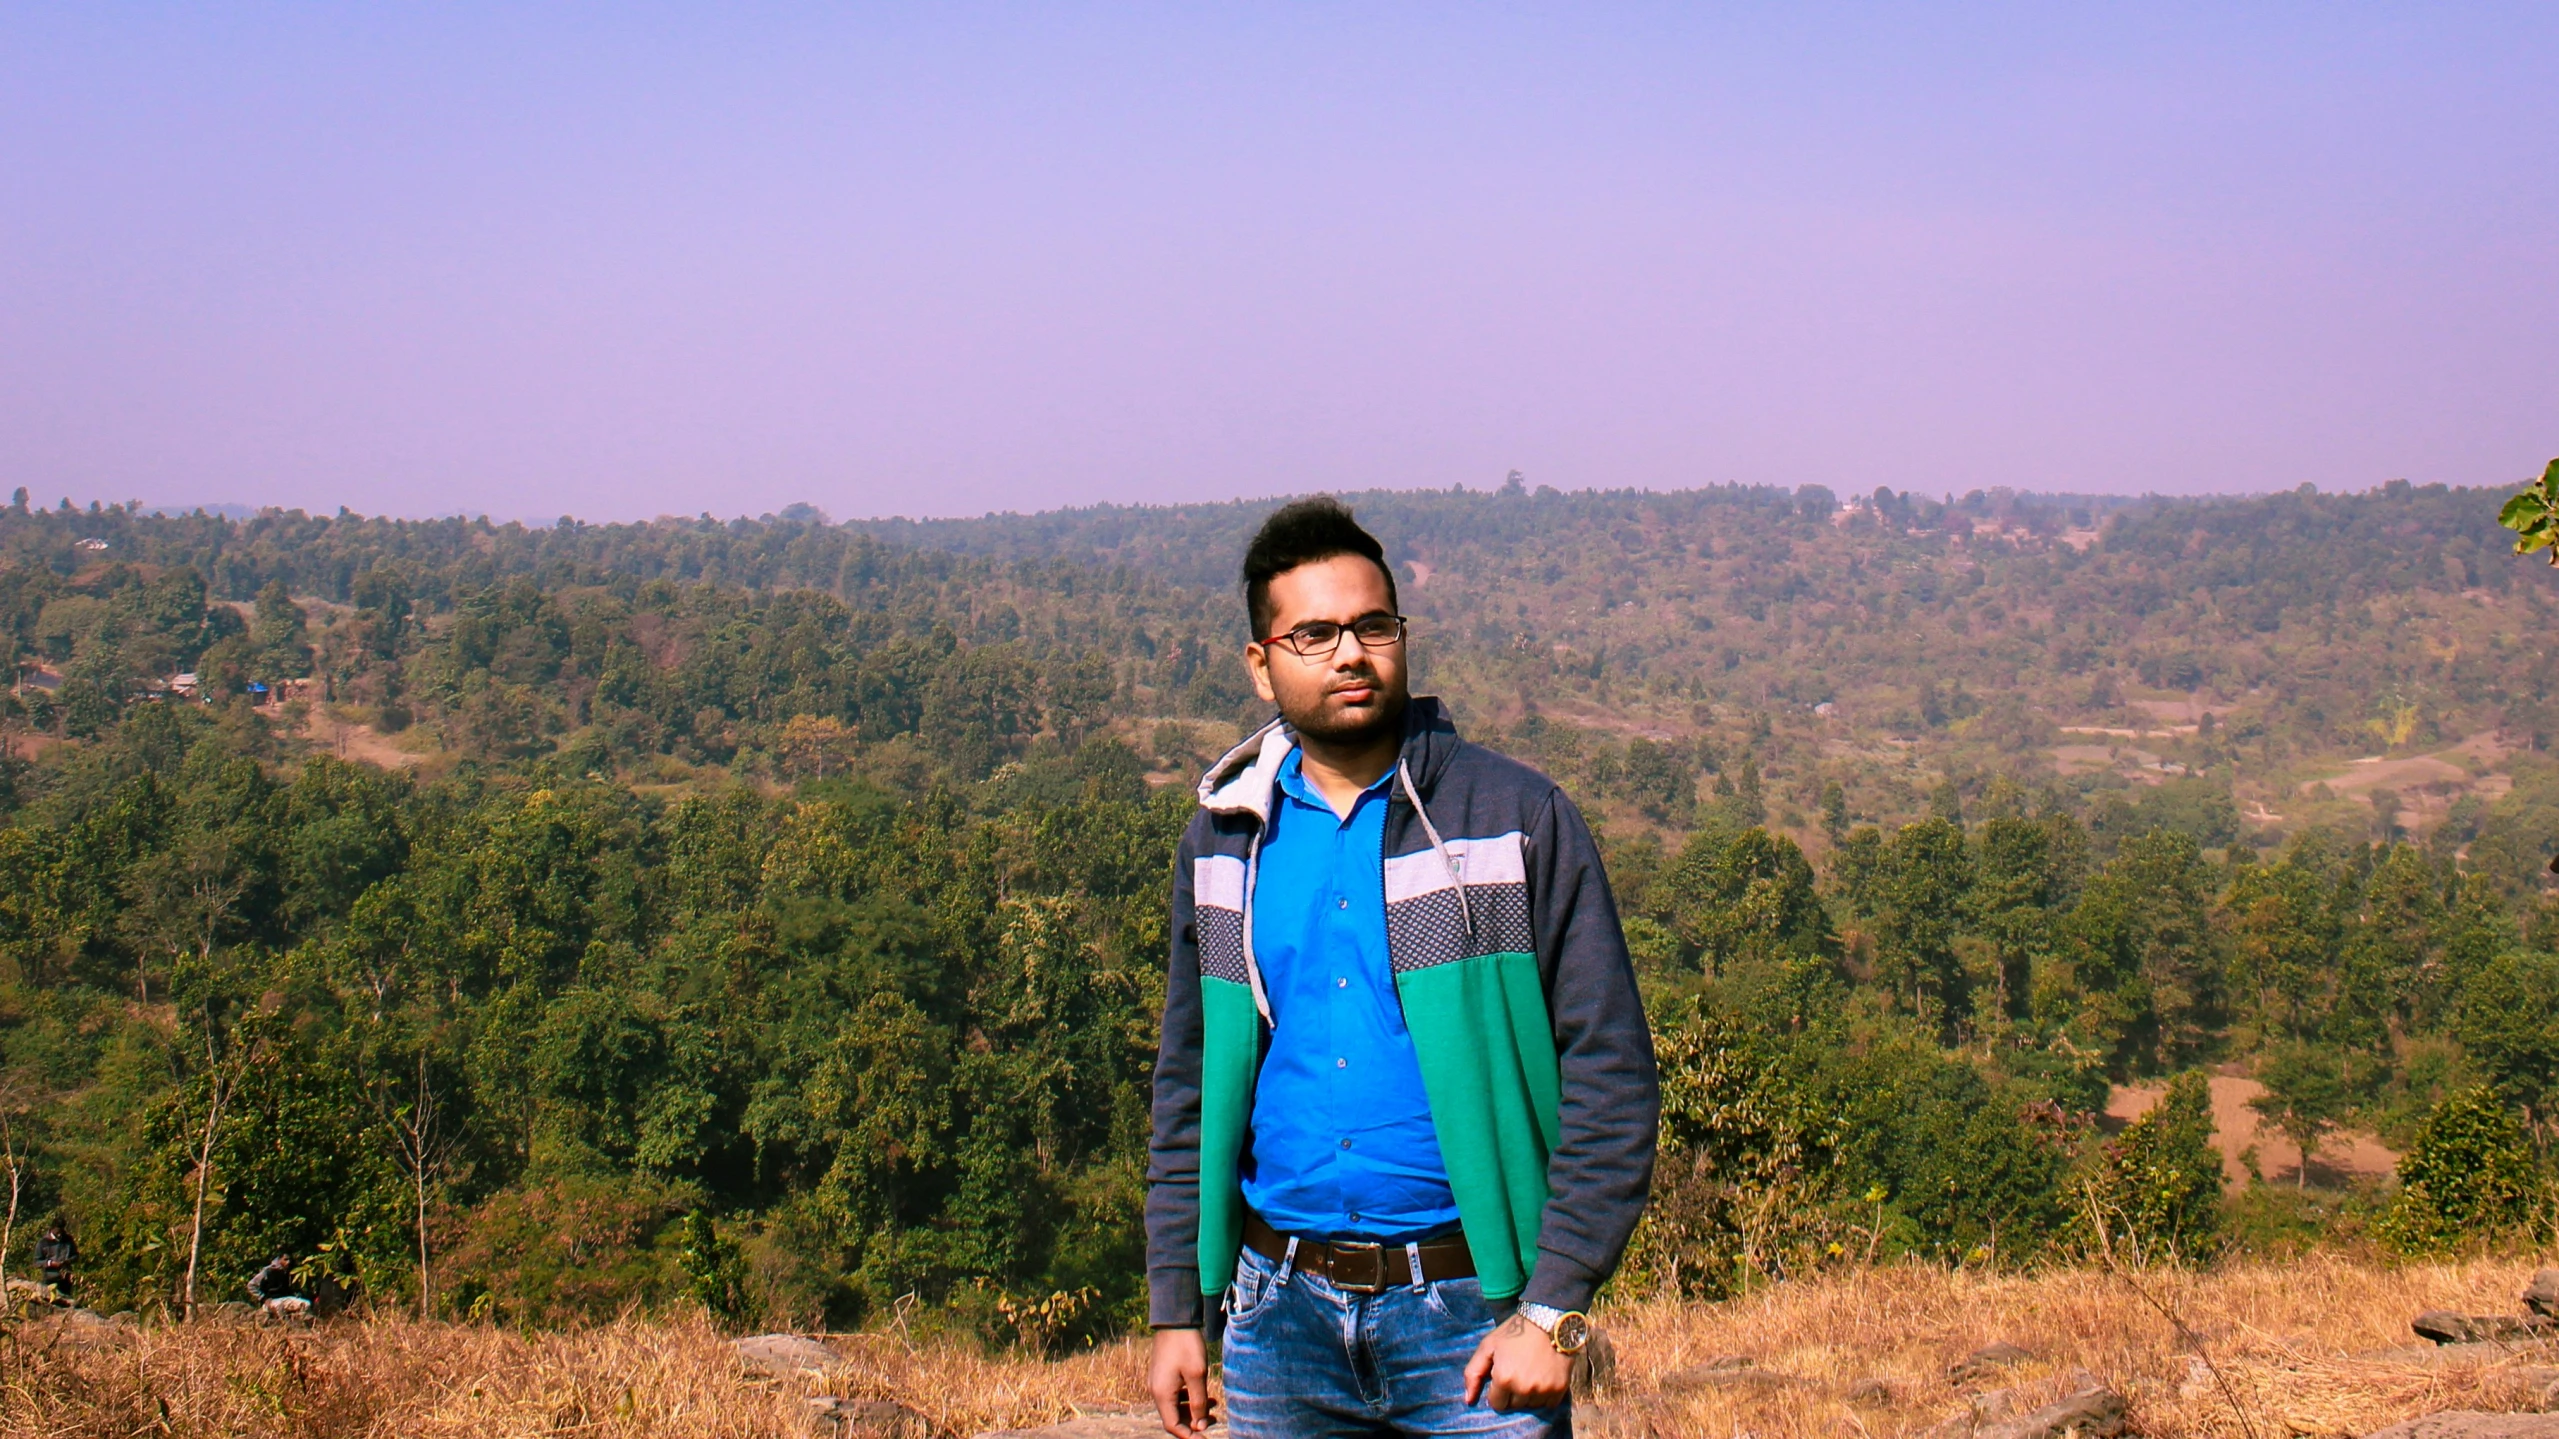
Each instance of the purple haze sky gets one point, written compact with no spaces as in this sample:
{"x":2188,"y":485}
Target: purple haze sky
{"x":616,"y":260}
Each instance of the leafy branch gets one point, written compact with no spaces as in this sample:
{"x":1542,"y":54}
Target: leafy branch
{"x":2534,"y":515}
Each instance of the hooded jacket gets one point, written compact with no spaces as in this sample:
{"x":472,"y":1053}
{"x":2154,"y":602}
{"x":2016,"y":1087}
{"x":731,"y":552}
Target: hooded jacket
{"x":1515,"y":985}
{"x":56,"y":1250}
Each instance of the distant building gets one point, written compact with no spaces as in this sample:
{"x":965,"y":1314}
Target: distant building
{"x":93,"y":543}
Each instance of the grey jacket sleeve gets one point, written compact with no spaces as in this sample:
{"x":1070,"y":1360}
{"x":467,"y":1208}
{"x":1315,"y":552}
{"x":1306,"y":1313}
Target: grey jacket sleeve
{"x":1601,"y":1171}
{"x":1173,"y":1150}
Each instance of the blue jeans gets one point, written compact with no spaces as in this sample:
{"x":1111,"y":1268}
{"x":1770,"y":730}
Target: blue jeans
{"x":1304,"y":1358}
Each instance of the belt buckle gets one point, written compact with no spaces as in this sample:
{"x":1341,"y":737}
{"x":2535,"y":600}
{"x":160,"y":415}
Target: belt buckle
{"x":1357,"y":1258}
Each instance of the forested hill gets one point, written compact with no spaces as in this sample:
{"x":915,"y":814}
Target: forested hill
{"x":1198,"y":543}
{"x":768,"y":914}
{"x":2260,"y":644}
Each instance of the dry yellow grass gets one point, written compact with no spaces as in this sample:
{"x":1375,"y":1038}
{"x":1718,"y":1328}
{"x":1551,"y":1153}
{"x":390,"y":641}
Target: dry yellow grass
{"x":2302,"y":1348}
{"x":385,"y":1378}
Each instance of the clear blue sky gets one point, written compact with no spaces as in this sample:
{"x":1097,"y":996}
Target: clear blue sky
{"x":617,"y":260}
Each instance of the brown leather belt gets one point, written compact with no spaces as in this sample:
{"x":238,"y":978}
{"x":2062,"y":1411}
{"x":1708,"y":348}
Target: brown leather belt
{"x":1362,"y":1267}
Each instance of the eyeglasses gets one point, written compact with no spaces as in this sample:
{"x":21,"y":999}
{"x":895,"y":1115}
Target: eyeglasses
{"x":1318,"y":639}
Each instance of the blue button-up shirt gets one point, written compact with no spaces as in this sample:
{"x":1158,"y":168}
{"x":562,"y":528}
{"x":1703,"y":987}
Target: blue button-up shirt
{"x":1342,"y":1145}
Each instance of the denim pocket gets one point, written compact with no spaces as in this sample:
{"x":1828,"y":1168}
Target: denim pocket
{"x":1252,"y":1290}
{"x":1463,"y":1300}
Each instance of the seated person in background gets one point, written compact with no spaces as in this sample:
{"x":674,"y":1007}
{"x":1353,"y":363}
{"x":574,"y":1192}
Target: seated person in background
{"x":276,"y":1290}
{"x":56,"y":1252}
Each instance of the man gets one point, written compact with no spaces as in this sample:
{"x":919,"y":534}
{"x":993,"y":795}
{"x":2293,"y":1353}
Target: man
{"x":1405,"y":1104}
{"x":56,"y":1252}
{"x":277,"y":1291}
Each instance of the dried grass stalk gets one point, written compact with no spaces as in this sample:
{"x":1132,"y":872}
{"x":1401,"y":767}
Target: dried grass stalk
{"x":2315,"y":1346}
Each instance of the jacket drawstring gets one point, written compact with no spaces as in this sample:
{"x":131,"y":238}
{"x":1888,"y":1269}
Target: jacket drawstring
{"x":1465,"y":911}
{"x":1252,"y":874}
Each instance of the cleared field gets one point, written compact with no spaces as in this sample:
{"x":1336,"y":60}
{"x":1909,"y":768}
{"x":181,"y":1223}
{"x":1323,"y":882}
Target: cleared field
{"x":346,"y":739}
{"x":2346,"y":1155}
{"x":2426,"y":784}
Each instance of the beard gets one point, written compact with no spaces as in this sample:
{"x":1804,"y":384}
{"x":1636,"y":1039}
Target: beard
{"x":1320,"y":714}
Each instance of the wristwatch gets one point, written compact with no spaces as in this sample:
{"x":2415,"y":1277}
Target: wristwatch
{"x":1567,"y":1329}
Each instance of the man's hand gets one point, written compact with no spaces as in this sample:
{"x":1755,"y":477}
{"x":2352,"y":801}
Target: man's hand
{"x":1177,"y":1375}
{"x":1518,"y":1367}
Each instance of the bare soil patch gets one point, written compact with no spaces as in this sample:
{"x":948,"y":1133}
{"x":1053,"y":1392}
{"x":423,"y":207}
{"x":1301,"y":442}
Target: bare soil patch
{"x":360,"y":742}
{"x":2467,"y":765}
{"x":2427,"y":784}
{"x":2363,"y":776}
{"x":29,"y":744}
{"x":2347,"y":1155}
{"x":2072,"y":759}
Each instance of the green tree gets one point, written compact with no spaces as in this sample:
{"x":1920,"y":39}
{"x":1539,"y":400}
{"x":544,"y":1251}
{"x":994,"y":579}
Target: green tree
{"x":1946,"y":802}
{"x":2394,"y":965}
{"x":2469,"y":1174}
{"x":2508,"y":1024}
{"x":2154,"y":1191}
{"x":718,"y":1271}
{"x":1661,"y":781}
{"x":1749,"y":897}
{"x":1738,"y":803}
{"x":2276,"y":931}
{"x":1743,"y":1149}
{"x":280,"y":635}
{"x":1834,"y":811}
{"x":1913,"y":896}
{"x":2024,"y":871}
{"x":980,"y":708}
{"x":2306,"y":1096}
{"x":2140,"y":978}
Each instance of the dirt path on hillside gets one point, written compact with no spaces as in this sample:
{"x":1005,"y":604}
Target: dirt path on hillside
{"x":2347,"y":1155}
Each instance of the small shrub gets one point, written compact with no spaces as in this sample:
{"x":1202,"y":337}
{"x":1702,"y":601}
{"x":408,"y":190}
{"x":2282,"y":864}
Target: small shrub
{"x":2470,"y":1175}
{"x":716,"y":1268}
{"x":1737,"y":1183}
{"x":2279,"y":1221}
{"x":2153,"y":1193}
{"x":571,"y":1249}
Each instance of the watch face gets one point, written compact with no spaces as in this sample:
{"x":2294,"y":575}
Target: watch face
{"x":1571,"y":1333}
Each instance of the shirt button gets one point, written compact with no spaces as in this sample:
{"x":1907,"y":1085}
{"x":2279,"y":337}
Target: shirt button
{"x":1354,"y":1216}
{"x":1346,"y":1144}
{"x":1341,"y":984}
{"x":1342,"y":903}
{"x":1341,"y":1064}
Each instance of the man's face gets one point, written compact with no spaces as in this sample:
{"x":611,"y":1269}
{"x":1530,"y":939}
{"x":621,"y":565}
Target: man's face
{"x":1351,"y":691}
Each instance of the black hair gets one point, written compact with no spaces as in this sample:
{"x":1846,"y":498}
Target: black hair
{"x":1304,"y":532}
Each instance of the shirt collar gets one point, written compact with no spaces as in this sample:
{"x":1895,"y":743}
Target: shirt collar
{"x":1293,"y":782}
